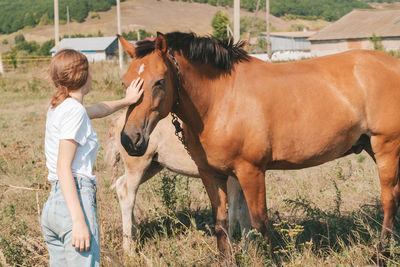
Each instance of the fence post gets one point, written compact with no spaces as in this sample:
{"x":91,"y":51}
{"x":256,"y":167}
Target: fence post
{"x":1,"y":65}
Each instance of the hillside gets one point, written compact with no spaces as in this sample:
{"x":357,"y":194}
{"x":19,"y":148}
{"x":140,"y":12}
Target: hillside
{"x":330,"y":10}
{"x":151,"y":15}
{"x":17,"y":14}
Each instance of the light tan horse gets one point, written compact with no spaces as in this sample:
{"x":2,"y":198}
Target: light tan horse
{"x":164,"y":151}
{"x":246,"y":116}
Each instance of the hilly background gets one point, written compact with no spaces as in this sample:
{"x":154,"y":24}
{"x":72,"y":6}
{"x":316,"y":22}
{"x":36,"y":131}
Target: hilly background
{"x":159,"y":15}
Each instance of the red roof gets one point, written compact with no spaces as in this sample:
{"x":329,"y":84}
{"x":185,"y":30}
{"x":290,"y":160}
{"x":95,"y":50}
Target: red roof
{"x":149,"y":38}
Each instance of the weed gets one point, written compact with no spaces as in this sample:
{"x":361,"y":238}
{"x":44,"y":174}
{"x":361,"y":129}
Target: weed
{"x":340,"y":172}
{"x":33,"y":86}
{"x":360,"y":158}
{"x":182,"y":192}
{"x":291,"y":248}
{"x":377,"y":42}
{"x":12,"y":243}
{"x":167,"y":191}
{"x":335,"y":224}
{"x":3,"y":85}
{"x":10,"y":211}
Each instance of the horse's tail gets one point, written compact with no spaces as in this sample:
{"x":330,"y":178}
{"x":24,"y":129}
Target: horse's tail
{"x":112,"y":155}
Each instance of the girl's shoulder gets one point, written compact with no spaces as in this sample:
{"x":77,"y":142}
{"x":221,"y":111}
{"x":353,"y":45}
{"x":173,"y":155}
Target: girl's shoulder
{"x":69,"y":110}
{"x":70,"y":106}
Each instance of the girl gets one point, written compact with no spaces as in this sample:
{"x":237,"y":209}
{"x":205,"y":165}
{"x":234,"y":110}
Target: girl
{"x":69,"y":217}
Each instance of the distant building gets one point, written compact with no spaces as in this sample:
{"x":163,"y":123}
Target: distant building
{"x":288,"y":45}
{"x":94,"y":48}
{"x":290,"y":41}
{"x":354,"y":30}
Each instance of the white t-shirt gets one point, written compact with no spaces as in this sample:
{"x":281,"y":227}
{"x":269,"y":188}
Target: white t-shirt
{"x":69,"y":120}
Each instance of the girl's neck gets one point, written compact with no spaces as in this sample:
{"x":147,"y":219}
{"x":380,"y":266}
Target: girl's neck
{"x":77,"y":95}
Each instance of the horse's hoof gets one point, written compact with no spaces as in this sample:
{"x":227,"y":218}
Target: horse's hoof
{"x":379,"y":258}
{"x":381,"y":255}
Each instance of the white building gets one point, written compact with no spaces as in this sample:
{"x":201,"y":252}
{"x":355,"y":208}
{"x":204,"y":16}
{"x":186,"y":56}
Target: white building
{"x":288,"y":46}
{"x":94,"y":48}
{"x":291,"y":41}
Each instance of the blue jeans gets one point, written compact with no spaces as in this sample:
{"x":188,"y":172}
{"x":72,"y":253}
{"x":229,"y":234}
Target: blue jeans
{"x":57,"y":226}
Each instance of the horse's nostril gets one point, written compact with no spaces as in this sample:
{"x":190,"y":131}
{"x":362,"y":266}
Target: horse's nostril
{"x":138,"y":142}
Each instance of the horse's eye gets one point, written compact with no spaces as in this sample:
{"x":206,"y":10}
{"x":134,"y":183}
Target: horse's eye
{"x":159,"y":83}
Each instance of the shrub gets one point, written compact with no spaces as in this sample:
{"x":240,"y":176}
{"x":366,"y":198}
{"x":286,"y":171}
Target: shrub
{"x":219,"y":23}
{"x":19,"y":38}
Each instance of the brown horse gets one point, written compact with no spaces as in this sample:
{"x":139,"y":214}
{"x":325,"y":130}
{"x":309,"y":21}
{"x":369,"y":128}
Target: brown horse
{"x":245,"y":116}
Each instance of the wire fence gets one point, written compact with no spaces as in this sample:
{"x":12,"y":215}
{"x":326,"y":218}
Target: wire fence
{"x":10,"y":63}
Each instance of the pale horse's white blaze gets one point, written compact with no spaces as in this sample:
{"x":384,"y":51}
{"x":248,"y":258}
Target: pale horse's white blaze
{"x":141,"y":69}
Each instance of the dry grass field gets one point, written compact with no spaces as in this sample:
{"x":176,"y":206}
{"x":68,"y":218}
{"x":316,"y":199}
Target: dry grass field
{"x":328,"y":215}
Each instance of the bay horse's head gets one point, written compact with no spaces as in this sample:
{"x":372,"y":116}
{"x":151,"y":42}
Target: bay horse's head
{"x":163,"y":80}
{"x":158,"y":92}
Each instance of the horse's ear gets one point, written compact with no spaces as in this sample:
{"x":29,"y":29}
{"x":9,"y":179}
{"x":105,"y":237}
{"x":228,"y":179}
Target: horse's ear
{"x":245,"y":45}
{"x":161,"y":42}
{"x":128,"y":47}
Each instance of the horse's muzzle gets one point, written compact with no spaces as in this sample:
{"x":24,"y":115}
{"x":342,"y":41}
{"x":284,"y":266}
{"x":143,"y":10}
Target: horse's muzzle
{"x":135,"y":144}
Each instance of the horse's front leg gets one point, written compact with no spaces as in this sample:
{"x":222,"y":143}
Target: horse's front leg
{"x":215,"y":185}
{"x":127,"y":187}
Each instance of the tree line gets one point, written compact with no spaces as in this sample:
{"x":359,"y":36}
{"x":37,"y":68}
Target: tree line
{"x":381,"y":1}
{"x":23,"y":47}
{"x":329,"y":10}
{"x":17,"y":14}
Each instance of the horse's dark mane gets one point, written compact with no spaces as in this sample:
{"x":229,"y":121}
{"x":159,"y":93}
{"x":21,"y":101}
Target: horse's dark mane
{"x":222,"y":54}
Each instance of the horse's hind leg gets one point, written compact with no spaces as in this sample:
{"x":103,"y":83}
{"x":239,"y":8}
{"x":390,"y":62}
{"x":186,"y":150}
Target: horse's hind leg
{"x":238,"y":211}
{"x":386,"y":152}
{"x":126,"y":187}
{"x":252,"y":181}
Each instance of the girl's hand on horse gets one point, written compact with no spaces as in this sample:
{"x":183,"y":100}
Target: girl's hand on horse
{"x":134,"y":91}
{"x":80,"y":236}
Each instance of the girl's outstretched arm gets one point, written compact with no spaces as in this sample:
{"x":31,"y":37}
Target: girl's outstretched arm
{"x":105,"y":108}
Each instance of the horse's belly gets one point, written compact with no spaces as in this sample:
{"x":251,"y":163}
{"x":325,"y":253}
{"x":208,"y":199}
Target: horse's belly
{"x":308,"y":152}
{"x":290,"y":165}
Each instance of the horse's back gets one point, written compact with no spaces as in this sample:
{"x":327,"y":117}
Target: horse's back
{"x":304,"y":113}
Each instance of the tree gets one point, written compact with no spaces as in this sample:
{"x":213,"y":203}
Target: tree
{"x":45,"y":48}
{"x":19,"y":38}
{"x":44,"y":19}
{"x":30,"y":47}
{"x":219,"y":23}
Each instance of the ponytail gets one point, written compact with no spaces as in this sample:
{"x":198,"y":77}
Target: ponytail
{"x":59,"y":96}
